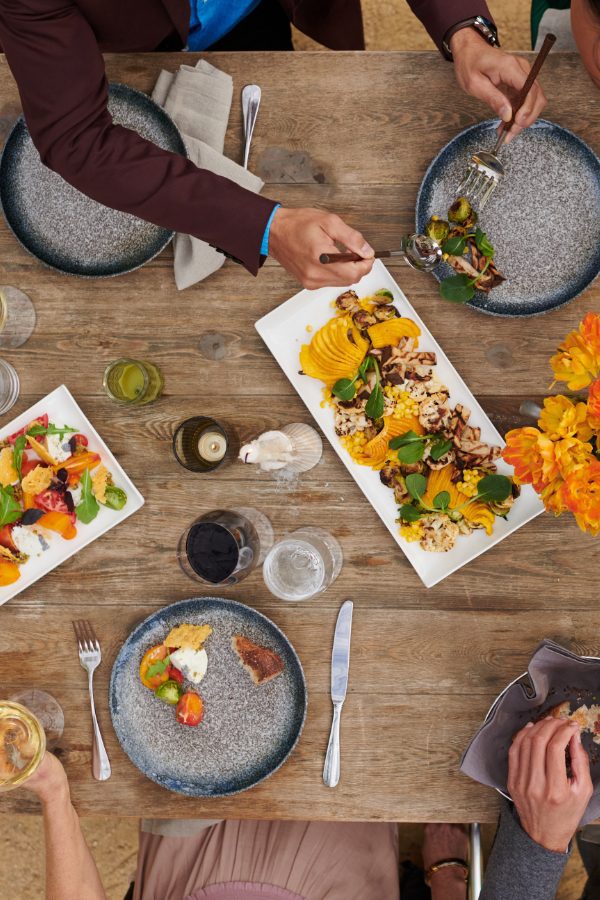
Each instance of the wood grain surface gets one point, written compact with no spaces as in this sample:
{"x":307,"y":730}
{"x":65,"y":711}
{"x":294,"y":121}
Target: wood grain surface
{"x":353,"y":133}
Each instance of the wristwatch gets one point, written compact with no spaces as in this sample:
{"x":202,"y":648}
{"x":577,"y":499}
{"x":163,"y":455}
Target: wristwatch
{"x":485,"y":27}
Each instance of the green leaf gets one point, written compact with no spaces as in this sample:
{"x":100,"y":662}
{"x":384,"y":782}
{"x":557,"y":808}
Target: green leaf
{"x":10,"y":510}
{"x":61,"y":430}
{"x":345,"y":388}
{"x":494,"y":487}
{"x":441,"y":500}
{"x":454,"y":246}
{"x":416,"y":485}
{"x":159,"y":667}
{"x":19,"y":447}
{"x":483,"y":244}
{"x":407,"y":438}
{"x":88,"y":508}
{"x":457,"y":288}
{"x":408,"y":513}
{"x":367,"y":363}
{"x":411,"y":453}
{"x":115,"y":497}
{"x":375,"y":404}
{"x":383,"y":292}
{"x":439,"y":449}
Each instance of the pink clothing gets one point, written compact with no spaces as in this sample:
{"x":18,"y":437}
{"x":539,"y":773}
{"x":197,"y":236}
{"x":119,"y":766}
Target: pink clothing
{"x":248,"y":860}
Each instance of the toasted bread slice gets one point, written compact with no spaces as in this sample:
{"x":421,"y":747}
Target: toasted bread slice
{"x":262,"y":664}
{"x":188,"y":636}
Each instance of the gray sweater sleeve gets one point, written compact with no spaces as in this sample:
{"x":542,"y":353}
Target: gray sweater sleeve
{"x":518,"y":868}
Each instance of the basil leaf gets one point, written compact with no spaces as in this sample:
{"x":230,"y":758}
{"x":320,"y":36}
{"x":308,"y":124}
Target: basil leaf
{"x":483,"y":244}
{"x":61,"y":430}
{"x":115,"y":497}
{"x":345,"y":389}
{"x":18,"y":448}
{"x":383,"y":292}
{"x":454,"y":246}
{"x":158,"y":667}
{"x":441,"y":500}
{"x":375,"y":404}
{"x":411,"y":453}
{"x":439,"y":449}
{"x":416,"y":485}
{"x":457,"y":288}
{"x":10,"y":510}
{"x":493,"y":487}
{"x":88,"y":508}
{"x":408,"y":513}
{"x":402,"y":439}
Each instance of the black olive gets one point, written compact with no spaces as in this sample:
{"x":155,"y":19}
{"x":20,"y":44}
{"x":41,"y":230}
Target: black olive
{"x":31,"y":516}
{"x":62,"y":474}
{"x":73,"y":444}
{"x":69,"y":501}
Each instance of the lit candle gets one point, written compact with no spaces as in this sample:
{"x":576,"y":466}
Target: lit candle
{"x":212,"y":446}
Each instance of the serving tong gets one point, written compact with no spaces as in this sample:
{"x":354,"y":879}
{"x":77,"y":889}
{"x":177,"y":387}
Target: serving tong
{"x":485,"y":170}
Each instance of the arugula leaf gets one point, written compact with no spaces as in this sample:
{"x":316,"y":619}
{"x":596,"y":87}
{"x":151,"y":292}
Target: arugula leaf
{"x":10,"y":510}
{"x":439,"y":449}
{"x":482,"y":243}
{"x":375,"y":404}
{"x":457,"y":288}
{"x":409,"y":513}
{"x":18,"y":448}
{"x":411,"y":453}
{"x":416,"y":485}
{"x":441,"y":500}
{"x":159,"y":667}
{"x":454,"y":246}
{"x":345,"y":388}
{"x":88,"y":508}
{"x":61,"y":430}
{"x":493,"y":487}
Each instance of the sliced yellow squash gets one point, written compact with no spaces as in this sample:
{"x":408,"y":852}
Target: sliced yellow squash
{"x":389,"y":333}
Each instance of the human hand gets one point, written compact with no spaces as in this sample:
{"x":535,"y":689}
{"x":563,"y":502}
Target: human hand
{"x":299,"y":236}
{"x":49,"y":781}
{"x":549,"y":802}
{"x":445,"y":841}
{"x":495,"y":77}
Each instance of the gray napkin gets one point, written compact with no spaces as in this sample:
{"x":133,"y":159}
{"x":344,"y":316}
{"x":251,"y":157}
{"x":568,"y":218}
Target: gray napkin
{"x":554,"y":675}
{"x":198,"y":99}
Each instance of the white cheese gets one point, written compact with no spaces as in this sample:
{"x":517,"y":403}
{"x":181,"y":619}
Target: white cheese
{"x":28,"y":541}
{"x":58,"y":447}
{"x":75,"y":493}
{"x":191,"y":663}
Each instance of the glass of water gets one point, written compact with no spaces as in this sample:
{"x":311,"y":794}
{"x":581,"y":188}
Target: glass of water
{"x":9,"y":386}
{"x":303,"y":564}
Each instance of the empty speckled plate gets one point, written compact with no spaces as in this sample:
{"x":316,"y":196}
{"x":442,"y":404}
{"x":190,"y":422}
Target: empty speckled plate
{"x":248,"y":730}
{"x":543,"y":219}
{"x":61,"y":226}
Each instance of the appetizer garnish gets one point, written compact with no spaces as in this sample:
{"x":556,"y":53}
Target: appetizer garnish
{"x":190,"y":709}
{"x":165,"y":667}
{"x":393,"y":415}
{"x":189,"y":636}
{"x":468,"y":250}
{"x":262,"y":664}
{"x":169,"y":692}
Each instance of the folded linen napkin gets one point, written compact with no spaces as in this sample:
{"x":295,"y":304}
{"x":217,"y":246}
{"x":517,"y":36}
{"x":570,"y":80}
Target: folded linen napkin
{"x":198,"y":99}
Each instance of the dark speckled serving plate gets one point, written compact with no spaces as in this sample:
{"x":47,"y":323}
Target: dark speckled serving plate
{"x":543,"y":219}
{"x":61,"y":226}
{"x":248,"y":730}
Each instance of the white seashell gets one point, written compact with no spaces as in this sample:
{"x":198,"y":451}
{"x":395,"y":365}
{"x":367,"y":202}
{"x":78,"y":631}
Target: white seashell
{"x":307,"y":446}
{"x":271,"y":450}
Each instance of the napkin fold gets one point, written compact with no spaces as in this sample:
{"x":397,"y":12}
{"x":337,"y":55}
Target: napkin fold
{"x":554,"y":674}
{"x":198,"y":99}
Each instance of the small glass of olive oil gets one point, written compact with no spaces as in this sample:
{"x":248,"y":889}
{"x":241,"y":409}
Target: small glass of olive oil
{"x":133,"y":381}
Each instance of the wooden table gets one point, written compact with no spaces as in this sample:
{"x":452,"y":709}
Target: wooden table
{"x":353,"y":133}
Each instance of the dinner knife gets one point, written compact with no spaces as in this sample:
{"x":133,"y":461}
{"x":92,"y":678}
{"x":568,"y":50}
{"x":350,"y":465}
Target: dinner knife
{"x":340,"y":663}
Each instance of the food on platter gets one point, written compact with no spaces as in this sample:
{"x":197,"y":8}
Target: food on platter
{"x":50,"y":484}
{"x":262,"y":664}
{"x":393,"y":414}
{"x":587,"y":717}
{"x":468,"y":250}
{"x":190,"y":709}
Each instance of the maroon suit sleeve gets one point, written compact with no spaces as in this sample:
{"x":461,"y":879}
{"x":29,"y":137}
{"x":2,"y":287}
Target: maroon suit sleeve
{"x":438,"y":16}
{"x":59,"y":70}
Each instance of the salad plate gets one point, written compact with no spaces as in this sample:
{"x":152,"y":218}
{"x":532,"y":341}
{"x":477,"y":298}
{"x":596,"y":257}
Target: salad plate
{"x":291,"y":326}
{"x":246,"y":730}
{"x":52,"y":509}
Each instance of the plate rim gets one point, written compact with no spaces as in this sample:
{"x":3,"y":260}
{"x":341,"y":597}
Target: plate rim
{"x":227,"y":601}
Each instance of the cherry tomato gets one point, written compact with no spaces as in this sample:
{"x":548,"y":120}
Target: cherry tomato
{"x":174,"y":673}
{"x":59,"y":522}
{"x":51,"y":501}
{"x":80,"y":439}
{"x":41,"y":420}
{"x":190,"y":709}
{"x":6,"y":538}
{"x":9,"y":572}
{"x":153,"y":655}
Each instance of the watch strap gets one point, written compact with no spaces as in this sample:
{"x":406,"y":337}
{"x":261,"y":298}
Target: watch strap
{"x":485,"y":27}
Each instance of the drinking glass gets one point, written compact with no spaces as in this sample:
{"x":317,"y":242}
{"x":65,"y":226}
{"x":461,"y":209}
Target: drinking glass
{"x":201,"y":444}
{"x":17,"y":316}
{"x":303,"y":564}
{"x":225,"y":545}
{"x":9,"y":386}
{"x":133,"y":381}
{"x":22,"y":744}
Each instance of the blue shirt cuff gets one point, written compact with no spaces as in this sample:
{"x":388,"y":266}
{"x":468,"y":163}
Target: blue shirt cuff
{"x":264,"y":247}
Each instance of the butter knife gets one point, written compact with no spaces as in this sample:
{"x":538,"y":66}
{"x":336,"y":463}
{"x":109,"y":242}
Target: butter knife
{"x":340,"y":663}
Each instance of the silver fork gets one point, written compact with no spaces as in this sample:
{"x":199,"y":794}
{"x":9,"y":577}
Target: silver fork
{"x":90,"y":658}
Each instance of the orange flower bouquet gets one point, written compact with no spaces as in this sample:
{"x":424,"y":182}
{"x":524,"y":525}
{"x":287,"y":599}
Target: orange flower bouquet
{"x":561,"y":458}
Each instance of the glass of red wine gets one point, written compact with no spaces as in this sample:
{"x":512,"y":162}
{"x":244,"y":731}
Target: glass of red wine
{"x":223,"y":546}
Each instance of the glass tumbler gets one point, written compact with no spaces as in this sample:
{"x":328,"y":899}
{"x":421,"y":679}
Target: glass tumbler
{"x":133,"y":381}
{"x":9,"y":386}
{"x":303,"y":564}
{"x":225,"y":545}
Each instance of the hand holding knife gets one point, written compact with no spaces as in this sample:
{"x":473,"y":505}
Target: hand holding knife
{"x":340,"y":663}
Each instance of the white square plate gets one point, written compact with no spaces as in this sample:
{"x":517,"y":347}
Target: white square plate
{"x":63,"y":410}
{"x":284,"y":331}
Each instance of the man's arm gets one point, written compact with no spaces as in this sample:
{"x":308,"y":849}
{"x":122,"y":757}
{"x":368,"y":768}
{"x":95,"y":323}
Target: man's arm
{"x":439,"y":16}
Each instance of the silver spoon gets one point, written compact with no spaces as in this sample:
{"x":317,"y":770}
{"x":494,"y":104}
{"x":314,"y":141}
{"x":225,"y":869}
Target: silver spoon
{"x":250,"y":104}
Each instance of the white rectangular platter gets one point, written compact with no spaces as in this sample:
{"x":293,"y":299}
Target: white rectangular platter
{"x":284,"y":330}
{"x":63,"y":410}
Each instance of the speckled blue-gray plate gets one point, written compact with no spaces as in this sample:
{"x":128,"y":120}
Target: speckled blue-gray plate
{"x":248,"y":730}
{"x":61,"y":226}
{"x":543,"y":219}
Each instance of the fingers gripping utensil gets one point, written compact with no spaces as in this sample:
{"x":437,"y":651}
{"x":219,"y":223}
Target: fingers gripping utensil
{"x":485,"y":170}
{"x":418,"y":250}
{"x":250,"y":104}
{"x":90,"y":658}
{"x":340,"y":663}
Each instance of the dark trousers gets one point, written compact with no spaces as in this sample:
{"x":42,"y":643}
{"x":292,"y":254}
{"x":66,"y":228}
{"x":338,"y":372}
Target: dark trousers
{"x":266,"y":28}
